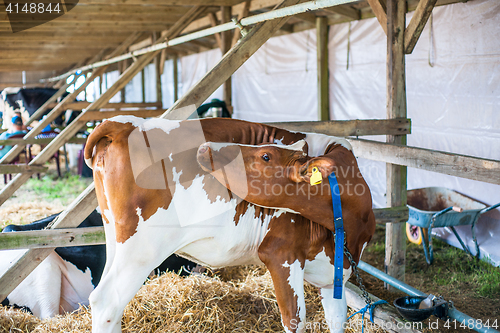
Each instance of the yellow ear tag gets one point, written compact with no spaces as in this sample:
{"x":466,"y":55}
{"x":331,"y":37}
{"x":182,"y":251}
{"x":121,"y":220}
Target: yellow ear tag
{"x":316,"y":177}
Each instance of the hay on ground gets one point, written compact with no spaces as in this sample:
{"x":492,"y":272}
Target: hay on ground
{"x":170,"y":303}
{"x":27,"y":212}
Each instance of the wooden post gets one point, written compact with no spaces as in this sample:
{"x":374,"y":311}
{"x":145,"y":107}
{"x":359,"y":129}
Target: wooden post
{"x":176,"y":78}
{"x":395,"y":251}
{"x":158,"y":71}
{"x":143,"y":85}
{"x":100,"y":84}
{"x":121,"y":67}
{"x":322,"y":68}
{"x":227,"y":40}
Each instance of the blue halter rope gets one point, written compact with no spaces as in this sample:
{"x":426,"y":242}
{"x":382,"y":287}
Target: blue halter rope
{"x":338,"y":261}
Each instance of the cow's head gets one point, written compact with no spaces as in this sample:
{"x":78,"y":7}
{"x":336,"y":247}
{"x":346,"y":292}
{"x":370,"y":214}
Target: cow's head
{"x":272,"y":175}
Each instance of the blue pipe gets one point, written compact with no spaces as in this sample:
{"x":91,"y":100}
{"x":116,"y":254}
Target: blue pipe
{"x":452,"y":312}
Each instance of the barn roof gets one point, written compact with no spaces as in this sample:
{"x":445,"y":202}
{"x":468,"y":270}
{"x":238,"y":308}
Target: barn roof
{"x":93,"y":28}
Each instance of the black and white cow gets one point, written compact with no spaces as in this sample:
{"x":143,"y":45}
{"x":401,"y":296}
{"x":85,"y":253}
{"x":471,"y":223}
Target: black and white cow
{"x":65,"y":279}
{"x":27,"y":101}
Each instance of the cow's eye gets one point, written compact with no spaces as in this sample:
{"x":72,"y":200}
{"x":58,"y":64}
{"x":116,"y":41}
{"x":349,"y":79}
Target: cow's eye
{"x":266,"y":157}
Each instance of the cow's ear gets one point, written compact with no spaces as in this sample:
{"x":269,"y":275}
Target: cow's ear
{"x":324,"y":165}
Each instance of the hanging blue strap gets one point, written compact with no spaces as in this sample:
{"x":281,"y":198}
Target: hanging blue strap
{"x":369,"y":307}
{"x":338,"y":262}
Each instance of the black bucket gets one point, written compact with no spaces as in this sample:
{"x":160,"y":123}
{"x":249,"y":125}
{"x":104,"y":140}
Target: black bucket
{"x":408,"y":307}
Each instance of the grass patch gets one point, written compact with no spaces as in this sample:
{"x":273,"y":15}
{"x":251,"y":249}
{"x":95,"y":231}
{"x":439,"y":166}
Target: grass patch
{"x":452,"y":268}
{"x":50,"y":187}
{"x":456,"y":266}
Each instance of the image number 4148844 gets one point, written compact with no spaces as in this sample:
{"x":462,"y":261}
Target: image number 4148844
{"x":24,"y":14}
{"x":33,"y":8}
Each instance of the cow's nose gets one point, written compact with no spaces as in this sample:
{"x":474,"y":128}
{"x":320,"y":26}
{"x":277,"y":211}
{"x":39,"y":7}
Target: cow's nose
{"x":203,"y":148}
{"x":203,"y":157}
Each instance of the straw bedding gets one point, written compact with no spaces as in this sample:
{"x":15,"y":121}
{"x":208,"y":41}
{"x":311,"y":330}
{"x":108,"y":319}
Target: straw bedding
{"x":27,"y":212}
{"x":170,"y":303}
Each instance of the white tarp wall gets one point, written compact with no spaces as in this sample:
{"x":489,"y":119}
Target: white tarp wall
{"x":454,"y":104}
{"x":194,"y":67}
{"x":278,"y":83}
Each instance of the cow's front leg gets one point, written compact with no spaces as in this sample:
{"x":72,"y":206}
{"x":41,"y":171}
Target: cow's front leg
{"x":288,"y":279}
{"x":335,"y":309}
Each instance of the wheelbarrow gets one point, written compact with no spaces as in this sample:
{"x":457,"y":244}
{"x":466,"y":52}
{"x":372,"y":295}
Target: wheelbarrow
{"x":435,"y":207}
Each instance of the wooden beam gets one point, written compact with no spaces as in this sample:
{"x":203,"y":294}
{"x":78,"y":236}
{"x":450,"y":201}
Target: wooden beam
{"x":111,"y":10}
{"x":24,"y":36}
{"x":214,"y":23}
{"x":124,"y":45}
{"x":395,"y":241}
{"x":323,"y":88}
{"x":164,"y":2}
{"x":356,"y":127}
{"x":58,"y":43}
{"x":77,"y":211}
{"x":391,"y":214}
{"x":470,"y":167}
{"x":119,"y":26}
{"x":417,"y":24}
{"x":380,"y":12}
{"x":100,"y":115}
{"x":141,"y":44}
{"x":203,"y":44}
{"x":24,"y":142}
{"x":83,"y":105}
{"x":306,"y":17}
{"x":21,"y":168}
{"x":151,"y":17}
{"x":51,"y":238}
{"x":20,"y":55}
{"x":346,"y":11}
{"x":163,"y":58}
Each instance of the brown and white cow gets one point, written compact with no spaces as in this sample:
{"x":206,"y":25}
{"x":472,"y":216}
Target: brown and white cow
{"x":157,"y":200}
